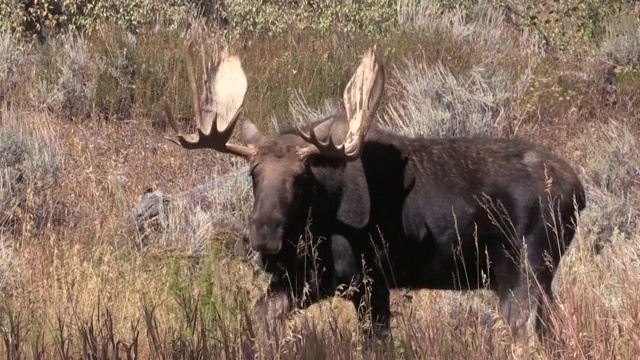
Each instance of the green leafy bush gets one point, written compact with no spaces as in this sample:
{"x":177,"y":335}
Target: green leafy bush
{"x":54,"y":17}
{"x":47,"y":18}
{"x":281,"y":16}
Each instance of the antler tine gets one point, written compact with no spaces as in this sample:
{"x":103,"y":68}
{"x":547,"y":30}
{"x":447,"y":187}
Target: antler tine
{"x":312,"y":138}
{"x":223,"y":97}
{"x":361,"y":97}
{"x":195,"y":97}
{"x":204,"y":66}
{"x":328,"y":148}
{"x":172,"y":122}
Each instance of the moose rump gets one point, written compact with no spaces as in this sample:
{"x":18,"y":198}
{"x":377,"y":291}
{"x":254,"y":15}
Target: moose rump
{"x":449,"y":209}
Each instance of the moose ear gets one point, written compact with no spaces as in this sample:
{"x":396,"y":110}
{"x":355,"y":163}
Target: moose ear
{"x":251,"y":135}
{"x":355,"y":204}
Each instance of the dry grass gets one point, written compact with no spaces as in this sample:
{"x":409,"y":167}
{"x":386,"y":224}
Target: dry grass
{"x":80,"y":283}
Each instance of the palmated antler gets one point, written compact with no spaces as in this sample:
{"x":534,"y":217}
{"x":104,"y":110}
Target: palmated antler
{"x":361,"y":97}
{"x":224,"y":90}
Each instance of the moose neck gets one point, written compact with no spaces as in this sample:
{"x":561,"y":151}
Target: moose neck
{"x":340,"y":194}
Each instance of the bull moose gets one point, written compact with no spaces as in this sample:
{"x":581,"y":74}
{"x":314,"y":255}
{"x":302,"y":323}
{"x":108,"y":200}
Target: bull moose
{"x":398,"y":211}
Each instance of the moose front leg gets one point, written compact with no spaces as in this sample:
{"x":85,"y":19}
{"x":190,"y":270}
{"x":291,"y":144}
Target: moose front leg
{"x":346,"y":268}
{"x":287,"y":291}
{"x":266,"y":323}
{"x":370,"y":296}
{"x":373,"y":308}
{"x":274,"y":305}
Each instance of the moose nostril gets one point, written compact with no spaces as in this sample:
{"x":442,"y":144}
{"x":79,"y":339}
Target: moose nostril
{"x":267,"y":248}
{"x":269,"y":229}
{"x":260,"y":247}
{"x":266,"y":231}
{"x":266,"y":237}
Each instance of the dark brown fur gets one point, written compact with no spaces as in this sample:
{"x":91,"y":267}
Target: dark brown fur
{"x":418,"y":212}
{"x":401,"y":212}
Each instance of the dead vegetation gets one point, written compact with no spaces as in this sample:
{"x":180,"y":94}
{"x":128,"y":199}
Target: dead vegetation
{"x":81,"y":127}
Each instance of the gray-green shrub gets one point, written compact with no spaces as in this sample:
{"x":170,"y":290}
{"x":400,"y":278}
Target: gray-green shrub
{"x":29,"y":167}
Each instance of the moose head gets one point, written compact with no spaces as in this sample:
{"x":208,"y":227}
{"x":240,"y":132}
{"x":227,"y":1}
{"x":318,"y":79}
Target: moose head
{"x":279,"y":163}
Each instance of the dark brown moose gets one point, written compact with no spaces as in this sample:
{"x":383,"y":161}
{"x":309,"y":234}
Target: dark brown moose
{"x":400,"y":212}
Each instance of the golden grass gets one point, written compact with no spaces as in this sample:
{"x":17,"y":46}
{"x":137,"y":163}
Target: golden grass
{"x":82,"y":284}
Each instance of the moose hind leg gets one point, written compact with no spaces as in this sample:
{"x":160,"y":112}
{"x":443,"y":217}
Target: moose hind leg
{"x":527,"y":298}
{"x":516,"y":307}
{"x":545,"y":305}
{"x":544,"y":263}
